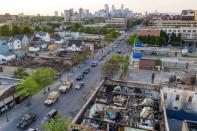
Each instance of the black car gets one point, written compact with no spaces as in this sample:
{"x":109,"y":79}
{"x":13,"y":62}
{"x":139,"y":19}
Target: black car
{"x":86,"y":71}
{"x":50,"y":115}
{"x":94,"y":64}
{"x":119,"y":52}
{"x":80,"y":77}
{"x":26,"y":120}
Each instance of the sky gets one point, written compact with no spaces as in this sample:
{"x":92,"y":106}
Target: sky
{"x":47,"y":7}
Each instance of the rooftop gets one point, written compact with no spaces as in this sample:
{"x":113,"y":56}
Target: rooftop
{"x":118,"y":105}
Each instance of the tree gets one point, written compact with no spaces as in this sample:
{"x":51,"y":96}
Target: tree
{"x":27,"y":30}
{"x":27,"y":87}
{"x":57,"y":124}
{"x":108,"y":37}
{"x":175,"y":40}
{"x":5,"y":30}
{"x":16,"y":30}
{"x":116,"y":64}
{"x":20,"y":73}
{"x":132,"y":38}
{"x":133,"y":22}
{"x":37,"y":28}
{"x":158,"y":62}
{"x":44,"y":76}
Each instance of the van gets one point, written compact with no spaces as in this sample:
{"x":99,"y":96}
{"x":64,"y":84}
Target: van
{"x":52,"y":98}
{"x":50,"y":115}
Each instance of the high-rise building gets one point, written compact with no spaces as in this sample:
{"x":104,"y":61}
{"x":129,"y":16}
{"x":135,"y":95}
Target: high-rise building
{"x":62,"y":14}
{"x":68,"y":14}
{"x":81,"y":13}
{"x":56,"y":13}
{"x":112,"y":8}
{"x":122,"y":7}
{"x":107,"y":10}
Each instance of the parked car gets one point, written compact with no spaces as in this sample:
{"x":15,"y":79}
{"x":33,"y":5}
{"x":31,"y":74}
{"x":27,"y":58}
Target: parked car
{"x":52,"y":98}
{"x":49,"y":116}
{"x":119,"y":52}
{"x":80,"y":85}
{"x":80,"y":77}
{"x":86,"y":71}
{"x":94,"y":64}
{"x":66,"y":85}
{"x":32,"y":129}
{"x":115,"y":46}
{"x":26,"y":120}
{"x":100,"y":58}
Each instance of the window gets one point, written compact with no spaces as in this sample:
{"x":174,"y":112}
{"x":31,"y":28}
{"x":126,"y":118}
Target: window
{"x":184,"y":30}
{"x":194,"y":31}
{"x":176,"y":107}
{"x":177,"y":98}
{"x":165,"y":96}
{"x":189,"y":99}
{"x":189,"y":31}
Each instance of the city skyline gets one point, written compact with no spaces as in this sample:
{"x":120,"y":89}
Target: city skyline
{"x":28,"y":6}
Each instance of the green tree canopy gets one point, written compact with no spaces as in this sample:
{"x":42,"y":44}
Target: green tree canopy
{"x":57,"y":124}
{"x":37,"y":28}
{"x":114,"y":65}
{"x":27,"y":87}
{"x":27,"y":30}
{"x":43,"y":76}
{"x":20,"y":73}
{"x":5,"y":30}
{"x":16,"y":30}
{"x":132,"y":38}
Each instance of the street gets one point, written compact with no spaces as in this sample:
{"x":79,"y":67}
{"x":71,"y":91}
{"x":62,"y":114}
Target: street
{"x":68,"y":104}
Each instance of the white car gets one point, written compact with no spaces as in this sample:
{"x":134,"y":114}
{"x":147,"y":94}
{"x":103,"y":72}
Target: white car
{"x":80,"y":85}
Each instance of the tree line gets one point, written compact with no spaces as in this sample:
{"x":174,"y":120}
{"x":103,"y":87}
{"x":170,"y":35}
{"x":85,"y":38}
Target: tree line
{"x":133,"y":22}
{"x":110,"y":34}
{"x":161,"y":40}
{"x":12,"y":30}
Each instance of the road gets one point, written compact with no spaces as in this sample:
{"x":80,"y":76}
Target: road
{"x":68,"y":104}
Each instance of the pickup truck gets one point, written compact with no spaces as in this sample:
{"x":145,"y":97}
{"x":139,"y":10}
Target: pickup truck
{"x":65,"y":86}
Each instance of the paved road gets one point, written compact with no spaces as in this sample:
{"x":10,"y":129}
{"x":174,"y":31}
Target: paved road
{"x":70,"y":103}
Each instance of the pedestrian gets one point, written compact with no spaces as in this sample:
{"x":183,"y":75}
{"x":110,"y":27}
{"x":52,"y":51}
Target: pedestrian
{"x":153,"y":77}
{"x":49,"y":89}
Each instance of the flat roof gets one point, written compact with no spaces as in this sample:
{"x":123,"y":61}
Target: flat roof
{"x":156,"y":49}
{"x":6,"y":91}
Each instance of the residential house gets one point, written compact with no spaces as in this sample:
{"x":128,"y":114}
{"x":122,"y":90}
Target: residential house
{"x":75,"y":45}
{"x":43,"y":35}
{"x":57,"y":38}
{"x":5,"y":54}
{"x":14,"y":43}
{"x":20,"y":54}
{"x":7,"y":57}
{"x":24,"y":39}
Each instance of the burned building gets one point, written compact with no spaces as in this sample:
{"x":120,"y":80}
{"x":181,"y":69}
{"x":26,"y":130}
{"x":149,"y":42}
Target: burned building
{"x":122,"y":106}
